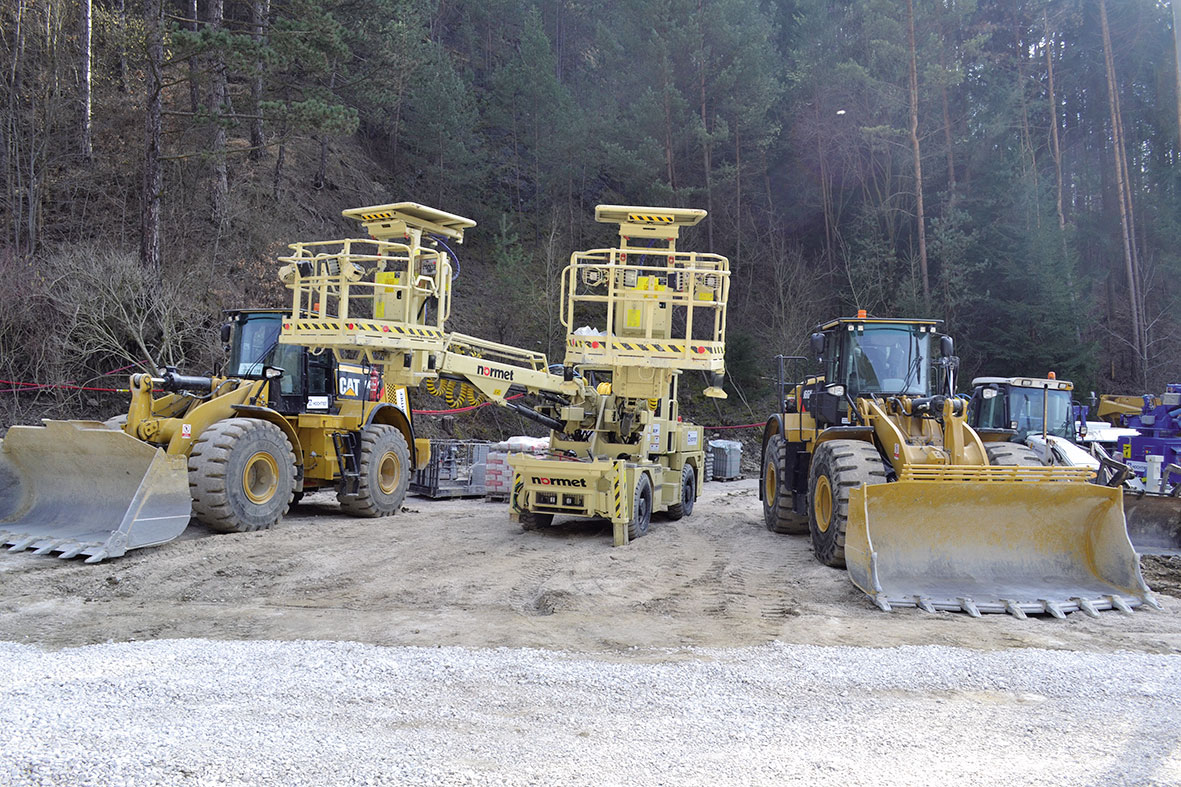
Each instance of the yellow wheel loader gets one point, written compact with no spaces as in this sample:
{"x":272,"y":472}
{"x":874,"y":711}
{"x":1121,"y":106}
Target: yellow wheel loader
{"x":232,"y":451}
{"x":874,"y":459}
{"x":1037,"y":416}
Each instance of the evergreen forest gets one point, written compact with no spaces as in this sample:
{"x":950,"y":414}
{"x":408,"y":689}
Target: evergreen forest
{"x":1008,"y":166}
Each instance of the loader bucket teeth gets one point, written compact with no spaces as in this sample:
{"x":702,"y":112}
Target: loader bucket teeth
{"x":78,"y":488}
{"x":1016,"y":547}
{"x":1154,"y":523}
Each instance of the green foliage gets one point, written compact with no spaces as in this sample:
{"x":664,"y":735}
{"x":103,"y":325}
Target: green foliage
{"x":789,"y":121}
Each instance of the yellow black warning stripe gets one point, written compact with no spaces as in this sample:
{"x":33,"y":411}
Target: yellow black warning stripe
{"x":648,"y":218}
{"x":650,"y":347}
{"x":401,"y":330}
{"x":374,"y":216}
{"x":517,"y":487}
{"x":618,"y":497}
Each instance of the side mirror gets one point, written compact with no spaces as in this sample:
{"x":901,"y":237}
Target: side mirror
{"x":817,"y":345}
{"x":946,"y":346}
{"x":225,"y":333}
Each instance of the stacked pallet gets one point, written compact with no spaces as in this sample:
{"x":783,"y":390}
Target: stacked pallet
{"x":498,"y":475}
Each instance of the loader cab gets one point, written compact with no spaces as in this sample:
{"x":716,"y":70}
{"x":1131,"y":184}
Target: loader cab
{"x":307,"y":382}
{"x":865,"y":357}
{"x":1021,"y":405}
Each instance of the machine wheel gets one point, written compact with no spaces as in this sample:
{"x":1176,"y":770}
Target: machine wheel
{"x":241,"y":475}
{"x":688,"y":494}
{"x":531,"y":520}
{"x":837,"y":467}
{"x":296,"y":497}
{"x":384,"y":466}
{"x":778,"y":515}
{"x":1011,"y":455}
{"x":641,"y":508}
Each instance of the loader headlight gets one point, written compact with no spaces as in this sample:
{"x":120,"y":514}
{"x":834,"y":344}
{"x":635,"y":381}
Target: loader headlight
{"x":989,"y":393}
{"x":836,"y":390}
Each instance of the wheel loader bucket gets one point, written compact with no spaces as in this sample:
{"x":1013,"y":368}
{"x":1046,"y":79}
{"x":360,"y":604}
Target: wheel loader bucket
{"x":1016,"y":546}
{"x":1154,"y":522}
{"x":81,"y":488}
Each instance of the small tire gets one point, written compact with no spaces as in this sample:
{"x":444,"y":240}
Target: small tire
{"x":384,"y":469}
{"x":531,"y":520}
{"x":838,"y":467}
{"x":688,"y":495}
{"x":1011,"y":455}
{"x":641,"y":508}
{"x":241,"y":475}
{"x":778,"y":515}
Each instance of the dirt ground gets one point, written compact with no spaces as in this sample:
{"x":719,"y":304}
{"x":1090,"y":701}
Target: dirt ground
{"x":457,"y":572}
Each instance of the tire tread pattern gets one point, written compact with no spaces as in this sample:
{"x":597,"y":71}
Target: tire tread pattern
{"x":208,"y":460}
{"x":848,"y":465}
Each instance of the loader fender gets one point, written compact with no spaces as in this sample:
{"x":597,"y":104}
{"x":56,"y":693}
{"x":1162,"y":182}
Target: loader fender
{"x":272,"y":416}
{"x":393,"y":416}
{"x":774,"y":427}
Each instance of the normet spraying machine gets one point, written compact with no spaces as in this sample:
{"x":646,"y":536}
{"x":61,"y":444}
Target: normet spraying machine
{"x":637,"y":316}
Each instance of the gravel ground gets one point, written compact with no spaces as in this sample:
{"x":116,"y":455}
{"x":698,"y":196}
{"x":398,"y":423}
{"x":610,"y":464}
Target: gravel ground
{"x":302,"y":712}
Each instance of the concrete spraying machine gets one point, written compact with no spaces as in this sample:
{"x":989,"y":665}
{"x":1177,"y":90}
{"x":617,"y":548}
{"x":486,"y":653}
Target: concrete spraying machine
{"x":637,"y":316}
{"x":1043,"y":424}
{"x":875,"y":460}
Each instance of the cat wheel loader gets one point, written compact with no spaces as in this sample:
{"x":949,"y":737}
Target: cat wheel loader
{"x":874,"y":459}
{"x":232,"y":451}
{"x":619,"y":449}
{"x":1037,"y":416}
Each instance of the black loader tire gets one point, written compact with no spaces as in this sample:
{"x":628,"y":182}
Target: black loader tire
{"x":778,"y":515}
{"x":1011,"y":455}
{"x":241,"y":475}
{"x":531,"y":520}
{"x":838,"y":467}
{"x":641,"y":508}
{"x":384,"y":467}
{"x":688,"y":495}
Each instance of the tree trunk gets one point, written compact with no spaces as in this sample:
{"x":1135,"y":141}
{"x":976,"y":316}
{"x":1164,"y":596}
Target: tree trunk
{"x":706,"y":150}
{"x":1121,"y":181}
{"x":124,"y":81}
{"x":918,"y":160}
{"x":153,"y":184}
{"x":194,"y":65}
{"x":217,"y":100}
{"x":258,"y":18}
{"x":1177,"y":63}
{"x":668,"y":133}
{"x":1055,"y":147}
{"x":86,"y":145}
{"x":322,"y":168}
{"x":1026,"y":138}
